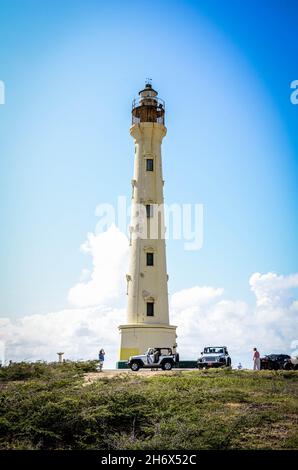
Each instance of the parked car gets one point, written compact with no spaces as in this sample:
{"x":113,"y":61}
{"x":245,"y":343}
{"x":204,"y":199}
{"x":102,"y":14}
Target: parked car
{"x":274,"y":361}
{"x":214,"y":356}
{"x":162,"y":358}
{"x":291,"y":363}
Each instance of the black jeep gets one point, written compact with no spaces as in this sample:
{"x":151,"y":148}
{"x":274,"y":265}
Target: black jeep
{"x":274,"y":361}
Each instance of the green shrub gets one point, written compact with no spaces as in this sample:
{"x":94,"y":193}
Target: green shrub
{"x":33,"y":370}
{"x":50,"y":406}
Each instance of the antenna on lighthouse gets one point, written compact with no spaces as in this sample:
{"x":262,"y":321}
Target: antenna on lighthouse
{"x":148,"y":81}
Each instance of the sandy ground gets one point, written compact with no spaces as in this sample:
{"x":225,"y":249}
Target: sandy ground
{"x":110,"y":373}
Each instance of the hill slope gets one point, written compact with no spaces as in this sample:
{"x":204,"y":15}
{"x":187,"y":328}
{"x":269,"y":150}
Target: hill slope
{"x":51,"y":406}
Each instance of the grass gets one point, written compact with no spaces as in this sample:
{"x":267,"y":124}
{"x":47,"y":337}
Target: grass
{"x":49,"y":406}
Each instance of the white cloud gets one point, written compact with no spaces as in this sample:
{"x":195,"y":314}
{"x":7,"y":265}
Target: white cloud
{"x":195,"y":296}
{"x":271,"y":325}
{"x":106,"y":282}
{"x":79,"y":333}
{"x":272,"y":290}
{"x":202,"y":313}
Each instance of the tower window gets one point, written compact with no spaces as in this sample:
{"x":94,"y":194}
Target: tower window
{"x":149,"y":164}
{"x":149,"y":210}
{"x":149,"y":259}
{"x":150,"y":309}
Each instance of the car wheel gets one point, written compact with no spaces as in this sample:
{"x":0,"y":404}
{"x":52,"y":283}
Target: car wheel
{"x":134,"y":366}
{"x":287,"y":366}
{"x":167,"y":366}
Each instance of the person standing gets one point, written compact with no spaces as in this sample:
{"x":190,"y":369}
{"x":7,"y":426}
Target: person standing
{"x":150,"y":356}
{"x":101,"y":358}
{"x":256,"y":359}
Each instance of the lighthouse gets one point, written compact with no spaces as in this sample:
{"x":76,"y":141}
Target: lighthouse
{"x":147,"y":317}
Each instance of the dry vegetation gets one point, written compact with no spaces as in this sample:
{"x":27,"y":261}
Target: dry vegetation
{"x":52,"y":406}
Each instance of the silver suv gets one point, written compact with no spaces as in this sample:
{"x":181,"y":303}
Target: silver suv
{"x":214,"y":356}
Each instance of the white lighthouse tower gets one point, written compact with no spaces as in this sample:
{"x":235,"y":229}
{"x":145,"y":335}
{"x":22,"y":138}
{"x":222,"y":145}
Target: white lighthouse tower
{"x":147,"y":308}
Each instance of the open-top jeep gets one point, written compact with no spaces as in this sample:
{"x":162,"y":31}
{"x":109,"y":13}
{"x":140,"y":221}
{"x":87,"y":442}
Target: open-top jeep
{"x":214,"y":356}
{"x":162,"y":358}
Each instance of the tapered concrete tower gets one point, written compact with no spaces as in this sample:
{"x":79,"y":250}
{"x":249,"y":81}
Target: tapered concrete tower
{"x":147,"y":308}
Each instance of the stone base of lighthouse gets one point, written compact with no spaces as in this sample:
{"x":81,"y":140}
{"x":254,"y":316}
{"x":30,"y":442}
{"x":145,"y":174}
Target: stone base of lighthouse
{"x":137,"y":338}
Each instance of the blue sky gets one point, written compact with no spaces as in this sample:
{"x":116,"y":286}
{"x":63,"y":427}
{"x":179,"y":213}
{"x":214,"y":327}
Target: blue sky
{"x":72,"y":68}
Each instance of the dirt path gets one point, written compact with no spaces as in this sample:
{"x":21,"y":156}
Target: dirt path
{"x":110,"y":373}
